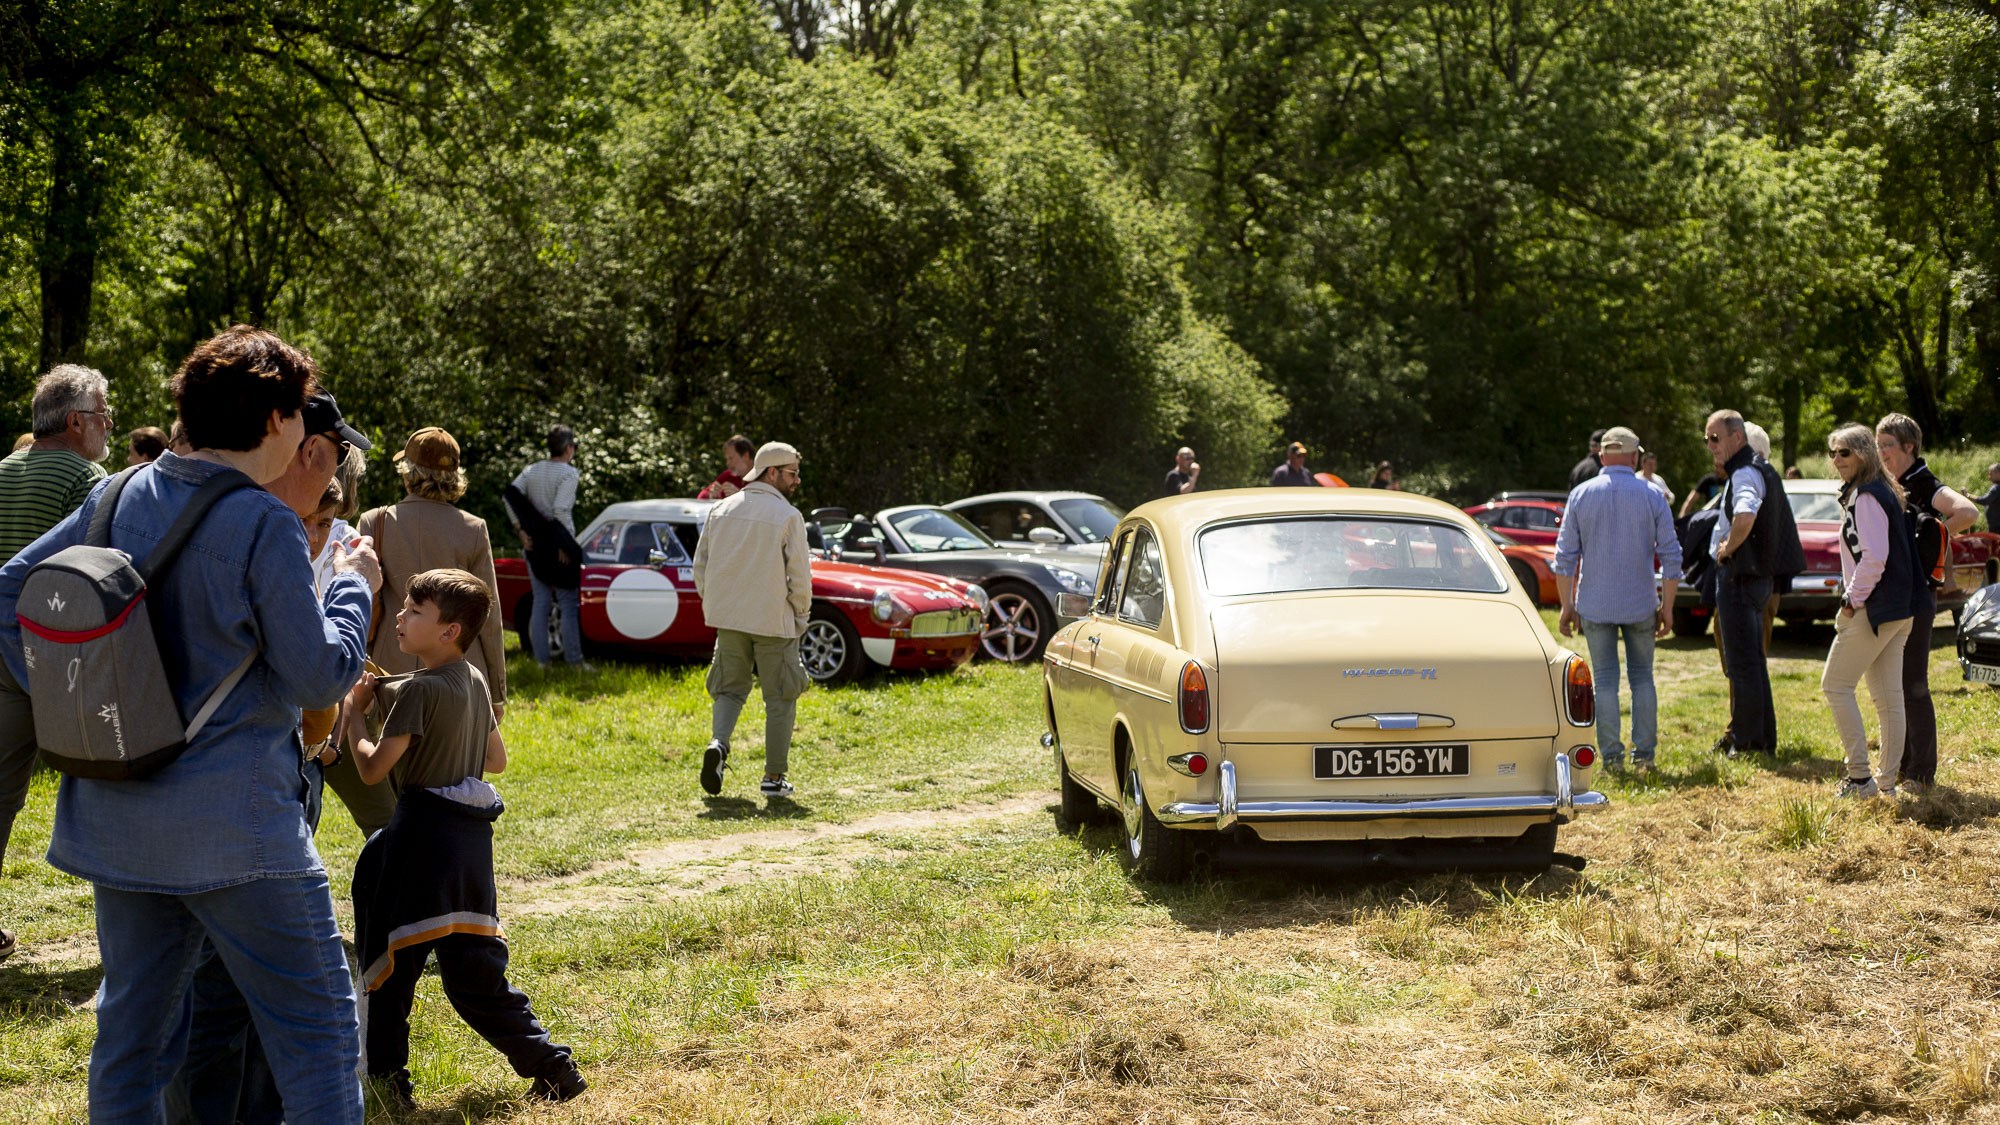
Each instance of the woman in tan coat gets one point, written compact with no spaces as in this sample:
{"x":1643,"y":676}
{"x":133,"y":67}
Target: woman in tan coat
{"x":426,"y":531}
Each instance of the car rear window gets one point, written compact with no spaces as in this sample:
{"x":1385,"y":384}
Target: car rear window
{"x":1821,"y":506}
{"x":1344,"y":553}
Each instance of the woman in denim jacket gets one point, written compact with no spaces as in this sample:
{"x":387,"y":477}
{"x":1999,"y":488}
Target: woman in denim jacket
{"x":216,"y":844}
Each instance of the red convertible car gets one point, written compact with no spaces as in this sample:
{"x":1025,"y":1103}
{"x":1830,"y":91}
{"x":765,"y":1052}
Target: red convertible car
{"x":638,"y":594}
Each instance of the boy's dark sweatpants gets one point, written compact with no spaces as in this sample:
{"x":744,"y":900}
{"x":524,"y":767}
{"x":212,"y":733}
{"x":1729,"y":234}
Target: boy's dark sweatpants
{"x":473,"y":968}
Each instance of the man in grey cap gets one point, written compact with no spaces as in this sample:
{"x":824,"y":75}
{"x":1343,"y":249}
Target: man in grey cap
{"x":753,"y":572}
{"x":1613,"y":528}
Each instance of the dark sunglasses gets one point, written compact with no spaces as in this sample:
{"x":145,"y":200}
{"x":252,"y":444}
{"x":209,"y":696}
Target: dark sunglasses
{"x":1843,"y":453}
{"x":1712,"y":439}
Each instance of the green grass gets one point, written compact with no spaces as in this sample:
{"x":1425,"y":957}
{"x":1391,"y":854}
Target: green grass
{"x":997,"y":970}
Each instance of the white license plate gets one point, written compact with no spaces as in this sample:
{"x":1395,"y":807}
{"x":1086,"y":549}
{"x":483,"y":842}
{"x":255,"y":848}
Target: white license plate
{"x":1392,"y":761}
{"x":1982,"y":673}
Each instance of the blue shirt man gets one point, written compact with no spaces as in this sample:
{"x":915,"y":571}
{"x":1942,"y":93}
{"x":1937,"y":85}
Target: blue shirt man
{"x":1615,"y":526}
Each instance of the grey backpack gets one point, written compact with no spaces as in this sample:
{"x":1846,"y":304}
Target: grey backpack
{"x":96,"y":678}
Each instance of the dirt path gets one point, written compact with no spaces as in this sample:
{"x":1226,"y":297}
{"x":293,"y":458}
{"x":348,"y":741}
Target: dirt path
{"x":690,"y":867}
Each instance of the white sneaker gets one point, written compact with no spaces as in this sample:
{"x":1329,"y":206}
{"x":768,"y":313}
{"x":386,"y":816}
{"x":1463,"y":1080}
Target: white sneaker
{"x":775,"y":787}
{"x":1862,"y":788}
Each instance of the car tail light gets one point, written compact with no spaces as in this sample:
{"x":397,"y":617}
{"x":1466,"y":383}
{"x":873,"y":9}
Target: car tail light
{"x":1586,"y":757}
{"x":1580,"y":694}
{"x":1194,"y":698}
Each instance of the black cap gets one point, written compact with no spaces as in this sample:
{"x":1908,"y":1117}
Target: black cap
{"x":323,"y":417}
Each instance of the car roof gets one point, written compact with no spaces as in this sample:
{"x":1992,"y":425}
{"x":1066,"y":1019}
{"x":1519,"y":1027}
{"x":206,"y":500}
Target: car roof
{"x":1195,"y":509}
{"x":1528,"y":494}
{"x":1030,"y":496}
{"x":1813,"y":484}
{"x":668,"y":510}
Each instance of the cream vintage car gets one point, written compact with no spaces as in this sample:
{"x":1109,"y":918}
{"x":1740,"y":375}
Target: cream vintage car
{"x":1348,"y":672}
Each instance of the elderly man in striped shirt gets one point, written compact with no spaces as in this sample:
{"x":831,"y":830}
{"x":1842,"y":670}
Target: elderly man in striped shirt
{"x":39,"y":486}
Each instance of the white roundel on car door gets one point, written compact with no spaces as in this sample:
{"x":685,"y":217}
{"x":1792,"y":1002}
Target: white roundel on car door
{"x":641,"y":604}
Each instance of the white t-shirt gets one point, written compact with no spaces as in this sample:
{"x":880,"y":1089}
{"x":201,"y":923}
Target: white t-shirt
{"x":323,"y":562}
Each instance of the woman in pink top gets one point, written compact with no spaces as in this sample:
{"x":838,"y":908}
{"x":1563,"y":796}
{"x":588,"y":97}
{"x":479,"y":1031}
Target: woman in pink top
{"x":1878,"y":576}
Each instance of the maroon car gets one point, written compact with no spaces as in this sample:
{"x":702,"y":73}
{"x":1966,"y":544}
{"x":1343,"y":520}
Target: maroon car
{"x":638,"y":595}
{"x":1525,"y":517}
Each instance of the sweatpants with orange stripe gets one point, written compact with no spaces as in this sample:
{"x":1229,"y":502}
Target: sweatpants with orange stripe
{"x":473,"y":969}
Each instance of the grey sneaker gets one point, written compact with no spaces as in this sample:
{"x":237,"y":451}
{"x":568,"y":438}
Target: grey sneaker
{"x":1862,"y":788}
{"x":775,"y":787}
{"x":713,"y":761}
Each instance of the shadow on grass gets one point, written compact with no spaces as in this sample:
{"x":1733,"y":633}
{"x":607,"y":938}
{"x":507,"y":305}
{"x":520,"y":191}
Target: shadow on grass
{"x":1946,"y":807}
{"x":42,"y":994}
{"x":743,"y":808}
{"x":1261,"y":886}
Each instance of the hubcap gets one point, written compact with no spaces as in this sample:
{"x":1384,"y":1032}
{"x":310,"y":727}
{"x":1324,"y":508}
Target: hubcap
{"x":822,"y":650}
{"x":1132,"y":808}
{"x":1012,"y":628}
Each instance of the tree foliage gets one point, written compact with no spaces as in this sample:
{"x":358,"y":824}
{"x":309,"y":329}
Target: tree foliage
{"x":947,"y":245}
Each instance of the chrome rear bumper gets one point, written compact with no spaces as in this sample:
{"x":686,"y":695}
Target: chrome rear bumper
{"x":1226,"y":813}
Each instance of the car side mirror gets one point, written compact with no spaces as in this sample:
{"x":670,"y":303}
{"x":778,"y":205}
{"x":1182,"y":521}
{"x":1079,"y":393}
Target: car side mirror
{"x":1072,"y":605}
{"x":656,"y":557}
{"x":870,"y":543}
{"x":1044,"y":535}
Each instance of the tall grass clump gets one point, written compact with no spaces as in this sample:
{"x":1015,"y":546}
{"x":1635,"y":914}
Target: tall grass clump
{"x":1803,"y":822}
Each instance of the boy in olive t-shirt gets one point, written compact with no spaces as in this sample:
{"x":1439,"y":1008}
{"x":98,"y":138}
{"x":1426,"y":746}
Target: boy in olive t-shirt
{"x":424,"y":884}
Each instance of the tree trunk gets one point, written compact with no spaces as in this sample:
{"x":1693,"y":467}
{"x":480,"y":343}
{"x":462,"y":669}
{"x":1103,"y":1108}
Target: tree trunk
{"x":69,"y":245}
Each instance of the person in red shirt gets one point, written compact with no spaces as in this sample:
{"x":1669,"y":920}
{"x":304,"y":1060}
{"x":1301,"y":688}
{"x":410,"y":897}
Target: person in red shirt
{"x":736,"y":455}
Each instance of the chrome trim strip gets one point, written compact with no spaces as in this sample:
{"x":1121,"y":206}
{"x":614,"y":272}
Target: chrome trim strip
{"x":1402,"y":720}
{"x":1123,"y":685}
{"x":1227,"y":812}
{"x":1225,"y":809}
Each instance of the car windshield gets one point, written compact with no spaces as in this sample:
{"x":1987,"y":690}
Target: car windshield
{"x":1092,"y":519}
{"x":1343,"y":553}
{"x":934,"y":529}
{"x":1821,"y":506}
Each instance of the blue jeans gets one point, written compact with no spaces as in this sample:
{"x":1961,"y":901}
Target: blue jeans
{"x":1603,"y":640}
{"x":538,"y":621}
{"x":278,"y":940}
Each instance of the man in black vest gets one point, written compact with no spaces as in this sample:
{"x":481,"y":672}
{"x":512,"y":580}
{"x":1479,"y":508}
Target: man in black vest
{"x":1756,"y":542}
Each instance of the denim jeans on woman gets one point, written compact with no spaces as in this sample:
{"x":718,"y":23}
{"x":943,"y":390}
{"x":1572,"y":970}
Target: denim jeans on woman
{"x":216,"y":843}
{"x":538,"y":621}
{"x":1603,"y":640}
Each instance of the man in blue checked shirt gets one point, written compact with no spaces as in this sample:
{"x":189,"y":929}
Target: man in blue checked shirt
{"x":1615,"y":527}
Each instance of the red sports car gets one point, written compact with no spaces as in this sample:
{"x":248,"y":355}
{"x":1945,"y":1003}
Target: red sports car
{"x":1524,"y":517}
{"x":1533,"y":564}
{"x":638,"y":594}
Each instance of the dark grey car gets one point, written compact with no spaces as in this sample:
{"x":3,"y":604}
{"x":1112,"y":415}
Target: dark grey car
{"x":1024,"y":580}
{"x":1082,"y":520}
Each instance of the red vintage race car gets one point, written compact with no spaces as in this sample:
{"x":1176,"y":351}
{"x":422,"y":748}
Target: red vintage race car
{"x":1532,"y":564}
{"x":638,"y":595}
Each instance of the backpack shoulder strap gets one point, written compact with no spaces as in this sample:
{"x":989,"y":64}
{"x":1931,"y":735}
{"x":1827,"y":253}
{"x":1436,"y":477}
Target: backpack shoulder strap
{"x":204,"y":498}
{"x":99,"y":533}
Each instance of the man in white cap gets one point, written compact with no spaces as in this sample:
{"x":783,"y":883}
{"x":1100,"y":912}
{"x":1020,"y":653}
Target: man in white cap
{"x":1613,"y":528}
{"x":754,"y":575}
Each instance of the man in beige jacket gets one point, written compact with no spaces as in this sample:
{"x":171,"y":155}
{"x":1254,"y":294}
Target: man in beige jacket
{"x":754,"y":575}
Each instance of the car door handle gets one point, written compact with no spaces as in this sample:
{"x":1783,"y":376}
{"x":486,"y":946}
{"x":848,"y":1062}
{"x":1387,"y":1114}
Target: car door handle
{"x":1095,"y":639}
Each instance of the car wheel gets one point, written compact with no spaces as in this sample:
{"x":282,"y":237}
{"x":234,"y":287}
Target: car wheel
{"x":1529,"y":582}
{"x":1152,"y":850}
{"x":1686,"y":624}
{"x":830,"y":648}
{"x":524,"y":615}
{"x":1018,"y":624}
